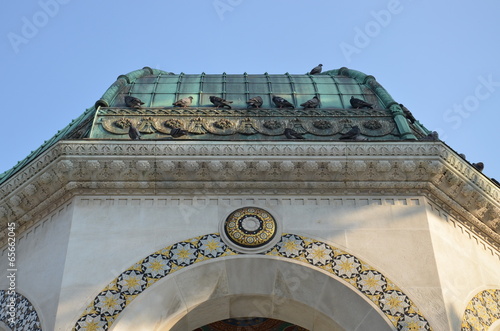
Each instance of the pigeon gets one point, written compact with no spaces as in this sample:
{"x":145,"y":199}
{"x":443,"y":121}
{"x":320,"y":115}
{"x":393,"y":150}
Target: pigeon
{"x":176,"y":133}
{"x":479,"y":166}
{"x":133,"y":102}
{"x":184,"y":102}
{"x":313,"y":103}
{"x":431,"y":136}
{"x":133,"y":133}
{"x":255,"y":102}
{"x":351,"y":134}
{"x":219,"y":102}
{"x":408,"y":114}
{"x":358,"y":103}
{"x":316,"y":70}
{"x":462,"y":155}
{"x":495,"y":181}
{"x":292,"y":134}
{"x":280,"y":102}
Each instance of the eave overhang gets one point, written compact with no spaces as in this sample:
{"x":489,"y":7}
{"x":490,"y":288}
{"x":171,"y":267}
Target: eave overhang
{"x":168,"y":168}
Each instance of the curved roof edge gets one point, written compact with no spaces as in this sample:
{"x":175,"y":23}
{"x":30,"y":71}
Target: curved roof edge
{"x":382,"y":93}
{"x":367,"y":80}
{"x":122,"y":80}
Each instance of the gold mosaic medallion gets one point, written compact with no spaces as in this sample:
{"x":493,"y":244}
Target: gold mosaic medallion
{"x":250,"y":227}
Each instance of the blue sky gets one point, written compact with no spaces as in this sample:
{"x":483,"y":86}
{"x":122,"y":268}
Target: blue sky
{"x":439,"y":59}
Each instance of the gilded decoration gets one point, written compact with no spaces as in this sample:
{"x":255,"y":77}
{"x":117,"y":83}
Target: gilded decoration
{"x":250,"y":227}
{"x":399,"y":309}
{"x":482,"y":311}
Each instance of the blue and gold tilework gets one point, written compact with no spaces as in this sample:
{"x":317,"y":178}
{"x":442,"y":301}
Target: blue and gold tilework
{"x":388,"y":297}
{"x":482,"y":311}
{"x":26,"y":318}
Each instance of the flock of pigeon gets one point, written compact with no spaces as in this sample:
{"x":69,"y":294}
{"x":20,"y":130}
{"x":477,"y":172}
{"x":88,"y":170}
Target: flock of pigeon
{"x":256,"y":102}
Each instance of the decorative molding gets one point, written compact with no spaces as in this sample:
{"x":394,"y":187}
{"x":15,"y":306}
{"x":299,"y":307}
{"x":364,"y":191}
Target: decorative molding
{"x":370,"y":283}
{"x":224,"y":122}
{"x":430,"y":169}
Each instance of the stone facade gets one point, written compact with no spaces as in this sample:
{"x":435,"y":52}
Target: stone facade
{"x":129,"y":235}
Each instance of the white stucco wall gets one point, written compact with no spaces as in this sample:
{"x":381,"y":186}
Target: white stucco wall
{"x":68,"y":258}
{"x":40,"y":259}
{"x":466,"y":265}
{"x":109,"y":234}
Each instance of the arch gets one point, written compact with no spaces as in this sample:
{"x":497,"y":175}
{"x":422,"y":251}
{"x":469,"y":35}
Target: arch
{"x":362,"y":278}
{"x":26,"y":316}
{"x":482,"y":311}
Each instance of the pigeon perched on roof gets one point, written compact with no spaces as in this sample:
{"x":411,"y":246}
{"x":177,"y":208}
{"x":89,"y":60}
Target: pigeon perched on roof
{"x":255,"y":102}
{"x":479,"y":166}
{"x":184,"y":102}
{"x":133,"y":133}
{"x":133,"y":102}
{"x":407,"y":113}
{"x":353,"y":133}
{"x":316,"y":70}
{"x":292,"y":134}
{"x":281,"y":102}
{"x":431,"y":136}
{"x":358,"y":103}
{"x":313,"y":103}
{"x":219,"y":102}
{"x":177,"y":132}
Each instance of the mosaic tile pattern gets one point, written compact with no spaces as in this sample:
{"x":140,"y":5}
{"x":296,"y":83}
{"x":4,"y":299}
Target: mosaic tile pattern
{"x":482,"y":311}
{"x":114,"y":298}
{"x":26,"y":316}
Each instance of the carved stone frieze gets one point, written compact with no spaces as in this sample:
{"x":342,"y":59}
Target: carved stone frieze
{"x":163,"y":167}
{"x":217,"y":122}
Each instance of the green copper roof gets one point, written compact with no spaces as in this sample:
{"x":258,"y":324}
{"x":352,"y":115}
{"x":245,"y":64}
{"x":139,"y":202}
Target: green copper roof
{"x":159,"y":89}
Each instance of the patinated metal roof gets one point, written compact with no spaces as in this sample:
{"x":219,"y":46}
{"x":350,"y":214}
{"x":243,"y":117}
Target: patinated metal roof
{"x":109,"y":117}
{"x":203,"y":121}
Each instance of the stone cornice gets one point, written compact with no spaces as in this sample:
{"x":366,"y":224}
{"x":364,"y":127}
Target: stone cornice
{"x":84,"y":167}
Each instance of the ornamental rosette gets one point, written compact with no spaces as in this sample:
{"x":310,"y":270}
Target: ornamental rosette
{"x":334,"y":166}
{"x":117,"y":165}
{"x":408,"y":166}
{"x":359,"y":166}
{"x":142,"y":165}
{"x":93,"y":165}
{"x":223,"y":124}
{"x":215,"y":166}
{"x":287,"y":166}
{"x":65,"y":165}
{"x":311,"y":166}
{"x":263,"y":166}
{"x":30,"y":190}
{"x":322,"y":124}
{"x":173,"y":123}
{"x":166,"y":165}
{"x":15,"y":200}
{"x":272,"y":124}
{"x":383,"y":166}
{"x":239,"y":166}
{"x":192,"y":166}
